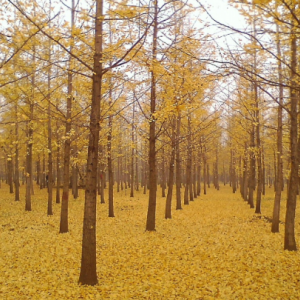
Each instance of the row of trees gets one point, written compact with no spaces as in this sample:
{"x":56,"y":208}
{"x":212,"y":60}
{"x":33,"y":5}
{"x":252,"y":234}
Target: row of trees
{"x":165,"y":107}
{"x":267,"y":97}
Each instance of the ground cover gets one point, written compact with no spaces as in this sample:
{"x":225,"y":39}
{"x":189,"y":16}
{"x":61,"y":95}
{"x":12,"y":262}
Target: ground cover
{"x":215,"y":248}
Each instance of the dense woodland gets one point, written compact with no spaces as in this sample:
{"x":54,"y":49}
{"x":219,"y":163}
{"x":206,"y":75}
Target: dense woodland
{"x":155,"y":97}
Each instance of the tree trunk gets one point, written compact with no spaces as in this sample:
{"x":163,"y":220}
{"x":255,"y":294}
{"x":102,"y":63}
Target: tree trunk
{"x":64,"y":216}
{"x":289,"y":235}
{"x":233,"y":171}
{"x":245,"y":174}
{"x":136,"y":165}
{"x":188,"y":192}
{"x":168,"y":211}
{"x":75,"y":177}
{"x":102,"y":178}
{"x":178,"y":163}
{"x":109,"y":166}
{"x":150,"y":224}
{"x":58,"y":177}
{"x":50,"y":162}
{"x":208,"y":175}
{"x":163,"y":174}
{"x":198,"y":172}
{"x":132,"y":156}
{"x":88,"y":273}
{"x":263,"y":171}
{"x":29,"y":162}
{"x":10,"y":174}
{"x":17,"y":173}
{"x":66,"y":167}
{"x":145,"y":178}
{"x":29,"y":174}
{"x":191,"y":191}
{"x":217,"y":185}
{"x":44,"y":181}
{"x":118,"y":171}
{"x":195,"y":178}
{"x":251,"y":179}
{"x":257,"y":131}
{"x":204,"y":171}
{"x":279,"y":175}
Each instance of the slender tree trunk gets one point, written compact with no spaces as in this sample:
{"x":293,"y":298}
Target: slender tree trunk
{"x":122,"y":174}
{"x":208,"y":175}
{"x":195,"y":177}
{"x":178,"y":163}
{"x":50,"y":164}
{"x":29,"y":169}
{"x":29,"y":161}
{"x":251,"y":179}
{"x":257,"y":131}
{"x":233,"y":171}
{"x":17,"y":173}
{"x":125,"y":170}
{"x":75,"y":178}
{"x":118,"y":171}
{"x":132,"y":156}
{"x":10,"y":174}
{"x":224,"y":174}
{"x":50,"y":161}
{"x":279,"y":175}
{"x":136,"y":165}
{"x":145,"y":178}
{"x":168,"y":211}
{"x":66,"y":167}
{"x":99,"y":178}
{"x":263,"y":171}
{"x":187,"y":185}
{"x":199,"y":174}
{"x":217,"y":185}
{"x":88,"y":273}
{"x":241,"y":177}
{"x":289,"y":235}
{"x":163,"y":174}
{"x":102,"y":177}
{"x":259,"y":168}
{"x":191,"y":191}
{"x":110,"y":171}
{"x":111,"y":213}
{"x":204,"y":170}
{"x":188,"y":191}
{"x":41,"y":176}
{"x":44,"y":183}
{"x":6,"y":171}
{"x":64,"y":216}
{"x":150,"y":224}
{"x":38,"y":170}
{"x":58,"y":176}
{"x":245,"y":174}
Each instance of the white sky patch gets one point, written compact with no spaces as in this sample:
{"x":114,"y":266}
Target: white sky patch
{"x":224,"y":13}
{"x":221,"y":11}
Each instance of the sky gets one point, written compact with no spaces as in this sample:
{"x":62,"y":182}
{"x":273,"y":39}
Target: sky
{"x":223,"y":12}
{"x":226,"y":14}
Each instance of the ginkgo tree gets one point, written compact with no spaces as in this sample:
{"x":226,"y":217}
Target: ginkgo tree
{"x":133,"y":92}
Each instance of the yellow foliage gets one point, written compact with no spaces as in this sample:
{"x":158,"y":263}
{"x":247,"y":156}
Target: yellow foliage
{"x":215,"y":248}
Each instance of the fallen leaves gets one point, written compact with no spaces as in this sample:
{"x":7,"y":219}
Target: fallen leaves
{"x":215,"y":248}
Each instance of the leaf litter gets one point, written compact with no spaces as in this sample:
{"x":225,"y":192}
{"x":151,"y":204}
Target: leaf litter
{"x":215,"y":248}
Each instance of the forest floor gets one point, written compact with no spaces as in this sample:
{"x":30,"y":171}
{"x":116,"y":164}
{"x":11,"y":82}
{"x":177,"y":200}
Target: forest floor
{"x":215,"y":248}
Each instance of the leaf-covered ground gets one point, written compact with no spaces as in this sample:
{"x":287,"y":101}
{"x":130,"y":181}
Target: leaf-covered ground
{"x":215,"y":248}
